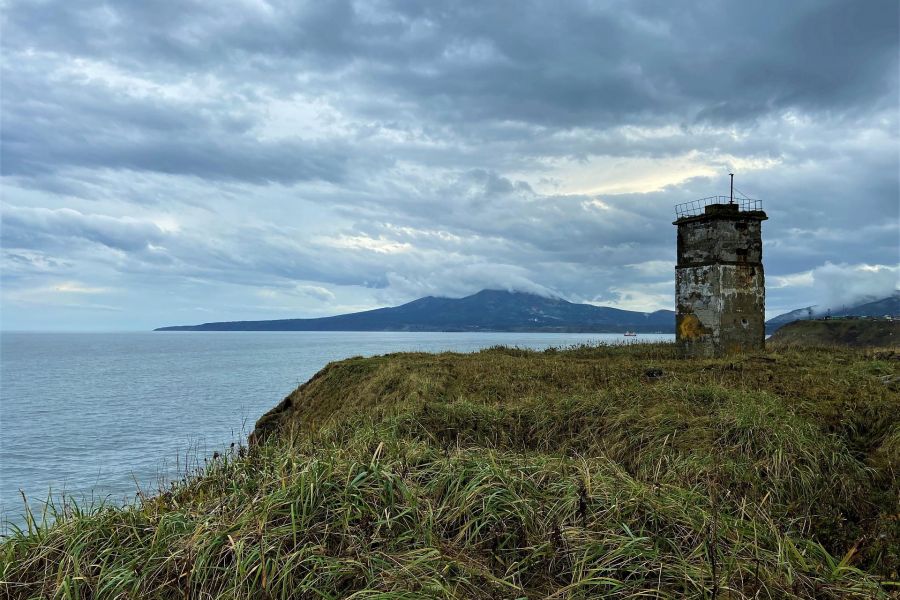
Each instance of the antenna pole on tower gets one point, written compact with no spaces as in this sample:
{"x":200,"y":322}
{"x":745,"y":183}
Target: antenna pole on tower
{"x":732,"y":189}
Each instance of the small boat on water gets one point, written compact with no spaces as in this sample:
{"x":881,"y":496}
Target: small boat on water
{"x":630,"y":334}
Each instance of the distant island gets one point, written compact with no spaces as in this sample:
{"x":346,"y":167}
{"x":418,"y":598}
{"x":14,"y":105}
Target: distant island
{"x":488,"y":310}
{"x":510,"y":311}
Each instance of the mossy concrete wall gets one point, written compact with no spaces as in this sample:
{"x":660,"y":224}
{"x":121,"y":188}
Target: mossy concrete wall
{"x":719,"y":283}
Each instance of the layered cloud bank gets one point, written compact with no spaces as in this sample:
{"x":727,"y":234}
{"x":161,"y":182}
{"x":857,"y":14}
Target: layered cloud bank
{"x":168,"y":161}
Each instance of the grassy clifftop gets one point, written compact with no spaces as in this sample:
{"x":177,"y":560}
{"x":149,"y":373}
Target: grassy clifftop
{"x":838,"y":332}
{"x":618,"y":472}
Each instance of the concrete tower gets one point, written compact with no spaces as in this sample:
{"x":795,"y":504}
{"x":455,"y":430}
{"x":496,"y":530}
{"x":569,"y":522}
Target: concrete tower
{"x":719,"y":284}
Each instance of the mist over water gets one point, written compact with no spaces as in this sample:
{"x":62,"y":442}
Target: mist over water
{"x":99,"y":414}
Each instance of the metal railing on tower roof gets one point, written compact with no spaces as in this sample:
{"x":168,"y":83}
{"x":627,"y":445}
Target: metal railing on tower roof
{"x":696,"y":208}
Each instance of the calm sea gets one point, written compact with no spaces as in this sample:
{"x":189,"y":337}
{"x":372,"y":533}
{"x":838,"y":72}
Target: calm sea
{"x":96,"y":415}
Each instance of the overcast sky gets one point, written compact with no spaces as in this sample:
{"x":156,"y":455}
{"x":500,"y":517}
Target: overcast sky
{"x":182,"y":162}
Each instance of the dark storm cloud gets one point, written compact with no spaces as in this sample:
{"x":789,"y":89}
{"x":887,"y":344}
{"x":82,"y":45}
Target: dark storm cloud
{"x":402,"y":148}
{"x":471,"y":65}
{"x":145,"y":132}
{"x":582,"y":63}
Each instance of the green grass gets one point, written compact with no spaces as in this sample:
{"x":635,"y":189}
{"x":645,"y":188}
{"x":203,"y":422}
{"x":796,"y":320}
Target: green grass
{"x":517,"y":474}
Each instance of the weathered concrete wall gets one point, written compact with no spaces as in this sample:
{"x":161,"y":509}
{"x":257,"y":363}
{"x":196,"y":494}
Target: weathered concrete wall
{"x":720,"y":284}
{"x":720,"y":309}
{"x":718,"y":240}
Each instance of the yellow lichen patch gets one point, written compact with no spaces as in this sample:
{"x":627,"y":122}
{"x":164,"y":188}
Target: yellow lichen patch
{"x":690,"y":327}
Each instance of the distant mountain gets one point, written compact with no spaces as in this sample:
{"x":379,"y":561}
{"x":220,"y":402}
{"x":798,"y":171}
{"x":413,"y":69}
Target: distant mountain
{"x":799,"y":314}
{"x":488,"y":310}
{"x":875,"y":308}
